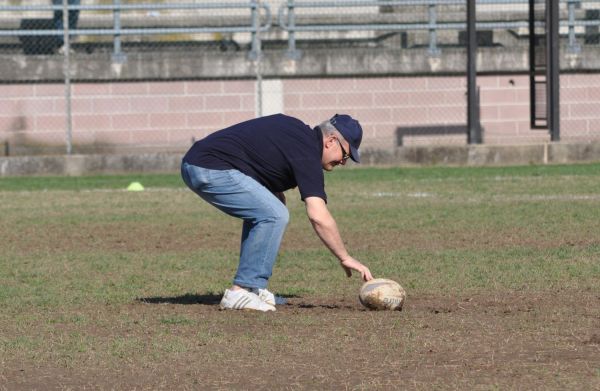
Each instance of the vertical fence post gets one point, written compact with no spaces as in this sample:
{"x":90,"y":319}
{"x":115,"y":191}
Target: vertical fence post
{"x":259,"y":88}
{"x":553,"y":69}
{"x":118,"y":57}
{"x":473,"y":126}
{"x":574,"y":47}
{"x":256,"y":56}
{"x":67,"y":75}
{"x":292,"y":52}
{"x":117,"y":26}
{"x":255,"y":14}
{"x":433,"y":49}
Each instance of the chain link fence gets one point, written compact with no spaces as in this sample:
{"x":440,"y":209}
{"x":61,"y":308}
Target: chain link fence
{"x":117,"y":76}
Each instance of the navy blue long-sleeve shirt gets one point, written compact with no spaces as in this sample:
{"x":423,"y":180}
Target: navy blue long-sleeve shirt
{"x":278,"y":151}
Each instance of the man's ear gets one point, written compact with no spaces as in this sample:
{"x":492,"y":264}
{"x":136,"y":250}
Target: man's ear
{"x":330,"y":139}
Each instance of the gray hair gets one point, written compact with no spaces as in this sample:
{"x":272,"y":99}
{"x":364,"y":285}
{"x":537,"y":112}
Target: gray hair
{"x":329,"y":130}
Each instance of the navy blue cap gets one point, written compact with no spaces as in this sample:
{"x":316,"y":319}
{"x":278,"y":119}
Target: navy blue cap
{"x":352,"y":132}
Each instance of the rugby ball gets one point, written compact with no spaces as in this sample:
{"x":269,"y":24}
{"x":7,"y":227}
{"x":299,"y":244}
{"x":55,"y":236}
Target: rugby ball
{"x":382,"y":294}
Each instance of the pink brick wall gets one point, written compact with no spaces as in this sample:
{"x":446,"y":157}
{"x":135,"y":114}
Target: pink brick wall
{"x":168,"y":115}
{"x":385,"y":104}
{"x":115,"y":116}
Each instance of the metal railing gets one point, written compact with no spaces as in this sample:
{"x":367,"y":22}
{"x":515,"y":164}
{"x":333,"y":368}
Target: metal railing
{"x":288,"y":22}
{"x":261,"y":22}
{"x":255,"y":27}
{"x":109,"y":23}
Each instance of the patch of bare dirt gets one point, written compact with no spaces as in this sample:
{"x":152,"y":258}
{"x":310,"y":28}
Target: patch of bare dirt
{"x":513,"y":340}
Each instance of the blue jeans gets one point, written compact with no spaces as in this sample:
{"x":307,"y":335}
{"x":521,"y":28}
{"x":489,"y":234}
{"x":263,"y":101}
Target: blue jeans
{"x":265,"y":218}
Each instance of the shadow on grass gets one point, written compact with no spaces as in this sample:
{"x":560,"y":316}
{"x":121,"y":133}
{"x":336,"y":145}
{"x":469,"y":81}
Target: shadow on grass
{"x":208,"y":299}
{"x":324,"y":306}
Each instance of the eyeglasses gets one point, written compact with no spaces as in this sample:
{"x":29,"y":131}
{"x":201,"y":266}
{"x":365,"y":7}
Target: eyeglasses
{"x":345,"y":155}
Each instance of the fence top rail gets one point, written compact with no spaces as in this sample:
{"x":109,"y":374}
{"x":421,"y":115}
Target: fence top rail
{"x":405,"y":26}
{"x":133,"y":7}
{"x":262,"y":26}
{"x":134,"y":31}
{"x":378,"y":3}
{"x":256,"y":4}
{"x":424,"y":26}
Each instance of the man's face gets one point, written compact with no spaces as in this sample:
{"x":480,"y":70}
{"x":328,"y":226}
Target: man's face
{"x":335,"y":153}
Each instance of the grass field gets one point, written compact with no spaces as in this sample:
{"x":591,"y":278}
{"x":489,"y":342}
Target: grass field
{"x":101,"y":288}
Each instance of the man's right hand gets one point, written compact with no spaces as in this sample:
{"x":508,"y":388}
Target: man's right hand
{"x":326,"y":227}
{"x":350,"y":264}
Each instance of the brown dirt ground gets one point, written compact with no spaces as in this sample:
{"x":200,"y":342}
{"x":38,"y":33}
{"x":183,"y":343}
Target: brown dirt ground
{"x":484,"y":341}
{"x":513,"y":341}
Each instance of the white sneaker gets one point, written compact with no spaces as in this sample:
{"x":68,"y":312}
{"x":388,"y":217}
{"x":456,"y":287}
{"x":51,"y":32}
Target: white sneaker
{"x":242,"y":299}
{"x":268,"y":297}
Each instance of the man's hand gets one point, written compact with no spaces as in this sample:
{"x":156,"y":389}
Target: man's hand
{"x":326,"y":228}
{"x":350,"y":264}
